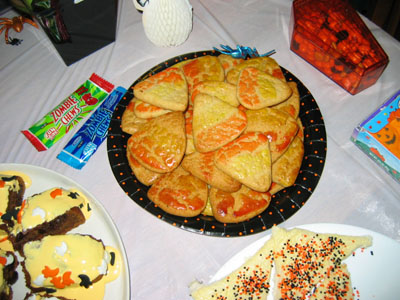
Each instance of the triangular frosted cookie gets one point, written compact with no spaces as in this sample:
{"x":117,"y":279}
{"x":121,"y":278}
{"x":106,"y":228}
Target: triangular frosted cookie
{"x":219,"y":89}
{"x":292,"y":104}
{"x":238,"y":206}
{"x":159,"y":144}
{"x":303,"y":259}
{"x":189,"y":130}
{"x":279,"y":126}
{"x":142,"y":174}
{"x":130,"y":123}
{"x":166,"y":89}
{"x":251,"y":280}
{"x":228,"y":62}
{"x":265,"y":64}
{"x":201,"y":69}
{"x":202,"y":166}
{"x":146,"y":111}
{"x":248,"y":160}
{"x":286,"y":168}
{"x":215,"y":123}
{"x":257,"y":89}
{"x":179,"y":193}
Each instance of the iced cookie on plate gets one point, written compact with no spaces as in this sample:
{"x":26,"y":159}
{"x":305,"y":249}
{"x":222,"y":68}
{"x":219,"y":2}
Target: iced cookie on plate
{"x":257,"y":89}
{"x":248,"y":160}
{"x":264,"y":64}
{"x":179,"y":193}
{"x":142,"y":174}
{"x":215,"y":123}
{"x":189,"y":130}
{"x":203,"y":69}
{"x":130,"y":123}
{"x":146,"y":111}
{"x":280,"y":128}
{"x":228,"y":62}
{"x":166,"y":89}
{"x":238,"y":206}
{"x":300,"y":132}
{"x":219,"y":89}
{"x":159,"y":144}
{"x":286,"y":168}
{"x":202,"y":166}
{"x":292,"y":104}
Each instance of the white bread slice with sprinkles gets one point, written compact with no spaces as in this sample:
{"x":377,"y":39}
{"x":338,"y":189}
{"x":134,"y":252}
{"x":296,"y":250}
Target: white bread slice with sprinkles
{"x":306,"y":261}
{"x":250,"y":281}
{"x":292,"y":265}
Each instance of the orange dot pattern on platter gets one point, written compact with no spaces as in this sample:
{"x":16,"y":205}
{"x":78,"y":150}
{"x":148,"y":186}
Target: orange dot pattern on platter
{"x":289,"y":199}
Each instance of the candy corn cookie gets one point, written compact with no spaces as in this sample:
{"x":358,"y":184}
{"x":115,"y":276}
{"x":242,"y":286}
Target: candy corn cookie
{"x":264,"y":64}
{"x":159,"y":144}
{"x":203,"y":69}
{"x":179,"y":193}
{"x":219,"y":89}
{"x":228,"y":62}
{"x":142,"y":174}
{"x":257,"y":89}
{"x":130,"y":123}
{"x":215,"y":123}
{"x":166,"y":89}
{"x":292,"y":104}
{"x":202,"y":165}
{"x":146,"y":111}
{"x":189,"y":130}
{"x":280,"y":128}
{"x":238,"y":206}
{"x":248,"y":160}
{"x":286,"y":168}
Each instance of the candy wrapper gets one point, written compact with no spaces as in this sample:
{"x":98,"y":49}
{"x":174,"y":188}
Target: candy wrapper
{"x":59,"y":121}
{"x":379,"y":136}
{"x":89,"y":137}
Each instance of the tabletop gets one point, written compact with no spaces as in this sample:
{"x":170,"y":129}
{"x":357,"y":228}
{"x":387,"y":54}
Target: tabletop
{"x":163,"y":259}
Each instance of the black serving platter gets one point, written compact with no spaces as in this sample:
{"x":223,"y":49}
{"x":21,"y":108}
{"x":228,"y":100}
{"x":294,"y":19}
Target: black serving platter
{"x":283,"y":204}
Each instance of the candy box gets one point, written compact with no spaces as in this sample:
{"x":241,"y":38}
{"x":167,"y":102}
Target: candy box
{"x":331,"y":36}
{"x":379,"y":136}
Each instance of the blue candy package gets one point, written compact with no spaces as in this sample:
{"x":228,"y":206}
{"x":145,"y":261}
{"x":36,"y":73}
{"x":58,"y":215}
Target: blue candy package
{"x":89,"y":137}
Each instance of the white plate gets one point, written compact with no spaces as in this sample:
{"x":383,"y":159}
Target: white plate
{"x":100,"y":225}
{"x":374,"y":271}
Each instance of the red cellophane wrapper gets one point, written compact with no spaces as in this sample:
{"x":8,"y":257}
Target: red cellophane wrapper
{"x":330,"y":35}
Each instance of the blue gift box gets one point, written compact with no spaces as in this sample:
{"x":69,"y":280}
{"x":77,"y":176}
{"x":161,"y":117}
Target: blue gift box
{"x":379,"y":136}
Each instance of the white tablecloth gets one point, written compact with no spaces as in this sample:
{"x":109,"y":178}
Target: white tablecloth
{"x":163,"y":260}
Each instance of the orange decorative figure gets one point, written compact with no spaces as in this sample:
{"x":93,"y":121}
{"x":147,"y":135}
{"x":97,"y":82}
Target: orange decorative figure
{"x":16,"y":23}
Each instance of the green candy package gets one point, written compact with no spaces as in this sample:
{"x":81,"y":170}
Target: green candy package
{"x":59,"y":121}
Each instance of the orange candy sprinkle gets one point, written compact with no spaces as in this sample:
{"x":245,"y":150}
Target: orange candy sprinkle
{"x":55,"y":193}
